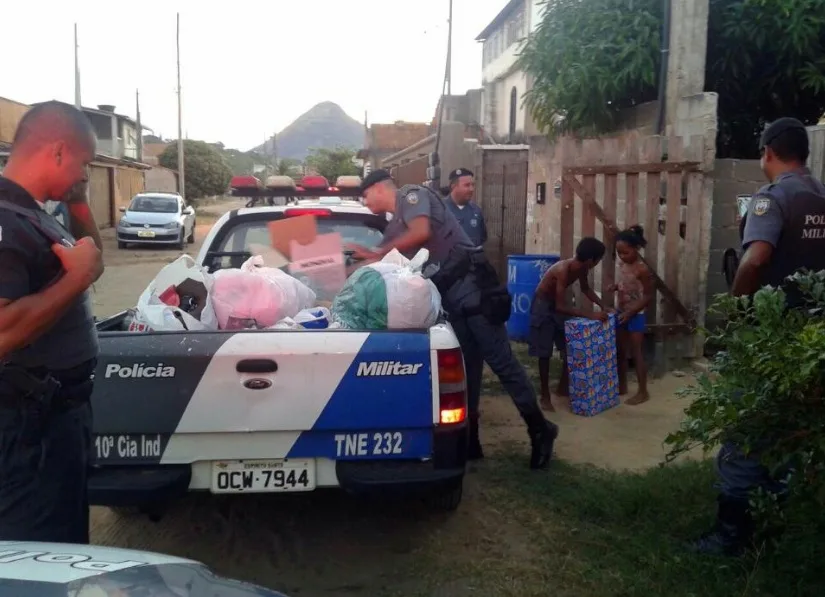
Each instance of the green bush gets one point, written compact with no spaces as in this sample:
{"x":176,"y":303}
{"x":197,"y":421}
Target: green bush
{"x":206,"y":172}
{"x":764,"y":389}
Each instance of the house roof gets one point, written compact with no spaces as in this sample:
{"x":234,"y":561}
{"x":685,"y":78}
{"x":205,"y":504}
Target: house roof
{"x":499,"y":19}
{"x":397,"y":136}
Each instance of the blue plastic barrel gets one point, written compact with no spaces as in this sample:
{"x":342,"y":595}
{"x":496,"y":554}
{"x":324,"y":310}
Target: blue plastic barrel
{"x":524,"y":272}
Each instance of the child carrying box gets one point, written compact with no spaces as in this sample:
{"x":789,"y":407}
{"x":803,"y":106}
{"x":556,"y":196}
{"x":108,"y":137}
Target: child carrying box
{"x":550,"y":309}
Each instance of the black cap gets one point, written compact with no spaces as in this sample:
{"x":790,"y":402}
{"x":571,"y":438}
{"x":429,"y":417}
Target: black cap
{"x":777,"y":127}
{"x":459,"y":172}
{"x":373,"y":178}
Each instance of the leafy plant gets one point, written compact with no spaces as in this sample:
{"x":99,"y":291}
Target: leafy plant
{"x":332,"y":163}
{"x":591,"y":59}
{"x":206,"y":172}
{"x":765,"y":388}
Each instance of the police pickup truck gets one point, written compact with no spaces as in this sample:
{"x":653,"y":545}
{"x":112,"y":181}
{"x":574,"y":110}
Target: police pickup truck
{"x":269,"y":411}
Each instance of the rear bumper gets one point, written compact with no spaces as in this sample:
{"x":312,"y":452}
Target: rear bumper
{"x":146,"y":486}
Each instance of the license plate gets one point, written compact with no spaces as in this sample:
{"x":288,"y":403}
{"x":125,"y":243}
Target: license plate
{"x":146,"y":234}
{"x":263,"y":476}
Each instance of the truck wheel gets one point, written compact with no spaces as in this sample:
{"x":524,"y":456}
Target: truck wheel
{"x":446,"y":500}
{"x":191,"y":238}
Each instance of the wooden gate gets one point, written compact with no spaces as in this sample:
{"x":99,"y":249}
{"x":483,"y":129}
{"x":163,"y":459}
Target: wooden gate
{"x":662,"y":186}
{"x":502,"y":197}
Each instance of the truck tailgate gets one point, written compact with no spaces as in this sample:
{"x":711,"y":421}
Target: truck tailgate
{"x":310,"y":394}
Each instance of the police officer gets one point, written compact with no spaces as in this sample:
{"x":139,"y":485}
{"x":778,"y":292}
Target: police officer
{"x":471,"y":296}
{"x":468,"y":214}
{"x":783,"y":232}
{"x":48,"y":342}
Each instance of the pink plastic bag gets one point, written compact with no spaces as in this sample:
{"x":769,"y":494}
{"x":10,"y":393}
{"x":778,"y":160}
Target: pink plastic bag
{"x":256,"y":296}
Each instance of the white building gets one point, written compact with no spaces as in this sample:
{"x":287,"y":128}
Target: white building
{"x":504,"y":116}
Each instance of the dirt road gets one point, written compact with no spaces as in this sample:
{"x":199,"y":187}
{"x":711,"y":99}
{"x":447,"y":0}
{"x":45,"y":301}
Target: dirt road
{"x":331,"y":544}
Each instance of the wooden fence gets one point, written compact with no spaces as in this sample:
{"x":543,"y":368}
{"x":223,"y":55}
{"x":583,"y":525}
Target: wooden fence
{"x":662,"y":187}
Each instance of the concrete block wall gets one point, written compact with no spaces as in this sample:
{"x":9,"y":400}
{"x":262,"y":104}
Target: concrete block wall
{"x":730,"y":178}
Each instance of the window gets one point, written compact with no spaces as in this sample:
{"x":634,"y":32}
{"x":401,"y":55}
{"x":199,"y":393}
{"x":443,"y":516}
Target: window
{"x":513,"y":110}
{"x":154,"y":204}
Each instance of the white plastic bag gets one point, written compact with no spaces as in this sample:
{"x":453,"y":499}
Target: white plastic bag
{"x":390,"y":294}
{"x":154,"y":315}
{"x":256,"y":296}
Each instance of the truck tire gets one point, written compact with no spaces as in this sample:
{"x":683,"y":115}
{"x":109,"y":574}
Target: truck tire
{"x":446,"y":500}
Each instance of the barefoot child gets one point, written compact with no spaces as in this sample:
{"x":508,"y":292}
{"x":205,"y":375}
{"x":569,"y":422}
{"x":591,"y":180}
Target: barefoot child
{"x":550,"y":309}
{"x":635,"y":291}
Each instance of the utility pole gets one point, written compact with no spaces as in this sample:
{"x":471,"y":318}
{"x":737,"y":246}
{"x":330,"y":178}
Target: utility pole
{"x":139,"y":127}
{"x":76,"y":71}
{"x":450,"y":50}
{"x":181,"y":176}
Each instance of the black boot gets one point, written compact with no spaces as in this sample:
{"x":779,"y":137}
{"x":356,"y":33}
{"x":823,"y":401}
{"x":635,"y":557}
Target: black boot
{"x":474,"y":451}
{"x":732,"y":534}
{"x":543,"y":434}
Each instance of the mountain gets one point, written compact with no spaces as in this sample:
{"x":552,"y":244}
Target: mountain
{"x":325,"y":125}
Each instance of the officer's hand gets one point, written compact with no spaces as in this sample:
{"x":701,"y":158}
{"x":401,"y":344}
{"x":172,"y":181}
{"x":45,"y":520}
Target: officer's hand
{"x":361,"y":253}
{"x":82,"y":262}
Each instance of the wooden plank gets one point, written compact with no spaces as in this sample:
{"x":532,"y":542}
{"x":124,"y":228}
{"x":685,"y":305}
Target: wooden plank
{"x":609,"y":261}
{"x":661,"y":167}
{"x":673,"y":213}
{"x":693,"y":240}
{"x":652,"y":150}
{"x":590,"y":198}
{"x":588,"y":227}
{"x":567,"y":219}
{"x":631,"y":216}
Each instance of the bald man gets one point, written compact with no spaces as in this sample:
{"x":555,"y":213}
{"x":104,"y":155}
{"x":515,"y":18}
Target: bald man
{"x":48,"y":342}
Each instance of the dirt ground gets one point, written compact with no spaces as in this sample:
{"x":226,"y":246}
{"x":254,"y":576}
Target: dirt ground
{"x":331,"y":544}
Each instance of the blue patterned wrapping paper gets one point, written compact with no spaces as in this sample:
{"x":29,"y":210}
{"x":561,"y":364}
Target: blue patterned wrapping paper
{"x":591,"y":358}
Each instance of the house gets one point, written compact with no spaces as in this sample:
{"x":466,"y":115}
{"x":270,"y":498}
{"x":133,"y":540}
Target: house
{"x":382,"y":140}
{"x":504,"y":116}
{"x":117,"y":135}
{"x":113,"y":179}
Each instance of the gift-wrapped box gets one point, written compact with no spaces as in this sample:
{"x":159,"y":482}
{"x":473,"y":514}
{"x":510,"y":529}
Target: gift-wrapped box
{"x":591,"y":358}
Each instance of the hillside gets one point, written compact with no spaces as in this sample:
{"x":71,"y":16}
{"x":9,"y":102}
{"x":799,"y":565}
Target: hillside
{"x":325,"y":125}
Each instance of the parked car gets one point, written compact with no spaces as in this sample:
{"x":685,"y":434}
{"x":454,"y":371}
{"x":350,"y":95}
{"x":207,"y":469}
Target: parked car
{"x":61,"y":570}
{"x":156,"y":218}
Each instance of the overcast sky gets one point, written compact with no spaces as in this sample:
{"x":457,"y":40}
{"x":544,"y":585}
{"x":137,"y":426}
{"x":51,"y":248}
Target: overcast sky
{"x":249,"y":67}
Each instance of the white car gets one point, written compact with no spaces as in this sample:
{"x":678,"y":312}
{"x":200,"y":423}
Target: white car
{"x":64,"y":570}
{"x":156,"y":218}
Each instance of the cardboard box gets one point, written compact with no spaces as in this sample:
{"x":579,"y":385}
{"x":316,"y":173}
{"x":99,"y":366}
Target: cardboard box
{"x":591,"y":357}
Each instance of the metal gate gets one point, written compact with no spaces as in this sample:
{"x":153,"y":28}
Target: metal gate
{"x":503,"y":202}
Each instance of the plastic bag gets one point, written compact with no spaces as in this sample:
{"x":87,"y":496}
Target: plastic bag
{"x":390,"y":294}
{"x":152,"y":314}
{"x":256,"y":296}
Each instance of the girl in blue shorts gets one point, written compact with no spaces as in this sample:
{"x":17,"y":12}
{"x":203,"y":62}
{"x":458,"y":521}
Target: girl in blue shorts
{"x":635,"y":289}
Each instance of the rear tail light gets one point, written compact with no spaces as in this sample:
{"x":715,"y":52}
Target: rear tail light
{"x":318,"y":213}
{"x":452,"y":395}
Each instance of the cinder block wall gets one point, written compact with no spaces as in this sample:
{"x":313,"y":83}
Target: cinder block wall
{"x":731,"y":178}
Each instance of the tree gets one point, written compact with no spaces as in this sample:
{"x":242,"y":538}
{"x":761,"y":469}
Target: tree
{"x":591,"y":59}
{"x":288,"y":167}
{"x":765,"y":389}
{"x":332,"y":163}
{"x":205,"y":170}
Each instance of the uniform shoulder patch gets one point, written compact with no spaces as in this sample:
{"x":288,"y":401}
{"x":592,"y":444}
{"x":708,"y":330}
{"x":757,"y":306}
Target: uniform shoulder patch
{"x":411,"y":198}
{"x":761,"y":205}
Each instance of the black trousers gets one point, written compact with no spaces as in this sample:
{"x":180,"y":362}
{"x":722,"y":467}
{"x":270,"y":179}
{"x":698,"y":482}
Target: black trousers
{"x":45,"y":455}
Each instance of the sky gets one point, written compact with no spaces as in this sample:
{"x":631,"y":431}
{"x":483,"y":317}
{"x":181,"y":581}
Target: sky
{"x":248,"y":67}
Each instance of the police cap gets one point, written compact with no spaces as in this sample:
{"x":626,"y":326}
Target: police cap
{"x":373,"y":178}
{"x":778,"y":127}
{"x":458,"y":173}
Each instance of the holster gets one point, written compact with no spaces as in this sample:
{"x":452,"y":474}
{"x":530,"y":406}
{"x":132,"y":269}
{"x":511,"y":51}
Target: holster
{"x":495,"y":303}
{"x":25,"y":386}
{"x":456,"y":267}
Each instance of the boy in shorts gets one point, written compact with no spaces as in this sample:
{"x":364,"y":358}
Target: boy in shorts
{"x":550,"y":309}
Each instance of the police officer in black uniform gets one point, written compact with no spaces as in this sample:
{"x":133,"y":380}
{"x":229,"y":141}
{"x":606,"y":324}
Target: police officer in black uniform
{"x":468,"y":214}
{"x":476,"y":304}
{"x":782,"y":233}
{"x":48,"y":342}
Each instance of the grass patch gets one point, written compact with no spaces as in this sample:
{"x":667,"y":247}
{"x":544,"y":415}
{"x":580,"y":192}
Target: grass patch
{"x":600,"y":533}
{"x":491,"y":385}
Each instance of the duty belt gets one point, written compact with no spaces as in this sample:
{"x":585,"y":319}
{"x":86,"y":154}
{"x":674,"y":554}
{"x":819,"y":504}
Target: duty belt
{"x":42,"y":388}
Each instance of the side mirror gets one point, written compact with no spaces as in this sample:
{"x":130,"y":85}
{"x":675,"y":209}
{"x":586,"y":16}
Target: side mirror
{"x":121,"y":209}
{"x":188,"y":210}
